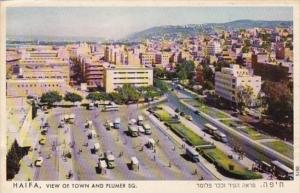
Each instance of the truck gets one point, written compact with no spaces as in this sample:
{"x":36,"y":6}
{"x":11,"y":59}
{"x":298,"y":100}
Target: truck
{"x":108,"y":125}
{"x":133,"y":131}
{"x":88,"y":124}
{"x":71,"y":118}
{"x":147,"y":129}
{"x":102,"y":165}
{"x":140,"y":120}
{"x":96,"y":147}
{"x":92,"y":134}
{"x":150,"y":143}
{"x":39,"y":162}
{"x":134,"y":163}
{"x":132,"y":121}
{"x":192,"y":154}
{"x":110,"y":159}
{"x":117,"y":123}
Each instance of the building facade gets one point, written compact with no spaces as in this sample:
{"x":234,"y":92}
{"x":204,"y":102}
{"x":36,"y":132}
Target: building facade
{"x":229,"y":80}
{"x":117,"y":76}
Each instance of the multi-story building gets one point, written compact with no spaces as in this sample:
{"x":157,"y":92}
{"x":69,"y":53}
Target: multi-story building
{"x":34,"y":87}
{"x":213,"y":48}
{"x":94,"y":74}
{"x":42,"y":65}
{"x":229,"y":80}
{"x":147,"y":59}
{"x":116,"y":76}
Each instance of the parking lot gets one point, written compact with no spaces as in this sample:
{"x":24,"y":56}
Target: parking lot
{"x":164,"y":162}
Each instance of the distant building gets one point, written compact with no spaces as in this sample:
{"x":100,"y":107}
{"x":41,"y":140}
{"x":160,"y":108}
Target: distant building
{"x":213,"y":48}
{"x":32,"y":87}
{"x":228,"y":81}
{"x":117,"y":76}
{"x":147,"y":59}
{"x":279,"y":50}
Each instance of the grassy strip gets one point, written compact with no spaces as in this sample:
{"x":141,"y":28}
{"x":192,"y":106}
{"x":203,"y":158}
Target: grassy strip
{"x":227,"y":166}
{"x":206,"y":109}
{"x":281,"y":147}
{"x":163,"y":115}
{"x":191,"y":137}
{"x":250,"y":131}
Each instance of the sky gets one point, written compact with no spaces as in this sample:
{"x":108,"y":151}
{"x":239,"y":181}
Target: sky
{"x":118,"y":22}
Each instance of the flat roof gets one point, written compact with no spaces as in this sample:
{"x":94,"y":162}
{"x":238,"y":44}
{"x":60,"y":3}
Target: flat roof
{"x":47,"y":80}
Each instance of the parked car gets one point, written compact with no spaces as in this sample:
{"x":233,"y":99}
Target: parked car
{"x":182,"y":114}
{"x":189,"y":117}
{"x":39,"y":162}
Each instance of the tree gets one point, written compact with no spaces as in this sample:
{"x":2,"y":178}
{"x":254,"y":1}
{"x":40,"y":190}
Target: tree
{"x":244,"y":96}
{"x":185,"y":70}
{"x":161,"y":86}
{"x":279,"y":101}
{"x":208,"y":85}
{"x":116,"y":97}
{"x":97,"y":96}
{"x":34,"y":110}
{"x":245,"y":49}
{"x":51,"y":97}
{"x":159,"y":73}
{"x":199,"y":75}
{"x":73,"y":97}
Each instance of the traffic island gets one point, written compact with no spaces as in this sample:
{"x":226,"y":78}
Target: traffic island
{"x":226,"y":165}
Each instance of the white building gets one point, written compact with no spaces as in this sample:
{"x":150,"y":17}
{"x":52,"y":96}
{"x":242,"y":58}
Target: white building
{"x":229,"y":80}
{"x":117,"y":76}
{"x":213,"y":48}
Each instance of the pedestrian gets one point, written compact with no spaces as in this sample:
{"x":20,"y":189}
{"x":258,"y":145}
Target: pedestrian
{"x":170,"y":164}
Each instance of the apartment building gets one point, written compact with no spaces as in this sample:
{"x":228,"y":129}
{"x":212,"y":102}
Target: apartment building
{"x":116,"y":76}
{"x":229,"y":80}
{"x":213,"y":48}
{"x":147,"y":58}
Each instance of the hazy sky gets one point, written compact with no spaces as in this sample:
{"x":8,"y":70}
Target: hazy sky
{"x":118,"y":22}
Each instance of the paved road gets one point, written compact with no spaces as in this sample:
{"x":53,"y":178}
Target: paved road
{"x":166,"y":163}
{"x":253,"y":149}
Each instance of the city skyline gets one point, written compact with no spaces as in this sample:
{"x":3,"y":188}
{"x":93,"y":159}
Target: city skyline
{"x":116,"y":23}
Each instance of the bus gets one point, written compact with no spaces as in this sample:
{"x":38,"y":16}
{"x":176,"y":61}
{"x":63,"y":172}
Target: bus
{"x":210,"y":129}
{"x":282,"y":171}
{"x":220,"y":136}
{"x":110,"y":108}
{"x":192,"y":154}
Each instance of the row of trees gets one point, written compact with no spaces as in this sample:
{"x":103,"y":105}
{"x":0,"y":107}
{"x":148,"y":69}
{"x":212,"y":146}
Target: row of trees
{"x":125,"y":94}
{"x":53,"y":96}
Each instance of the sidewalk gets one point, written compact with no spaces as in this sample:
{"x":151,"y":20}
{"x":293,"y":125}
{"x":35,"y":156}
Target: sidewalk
{"x":27,"y":172}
